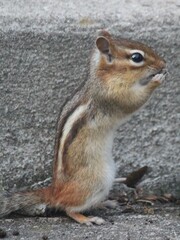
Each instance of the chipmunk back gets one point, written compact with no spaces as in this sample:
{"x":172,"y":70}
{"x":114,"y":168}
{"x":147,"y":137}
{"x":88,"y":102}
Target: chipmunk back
{"x":123,"y":75}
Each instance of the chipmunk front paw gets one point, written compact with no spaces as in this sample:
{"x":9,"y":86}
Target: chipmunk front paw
{"x":159,"y":78}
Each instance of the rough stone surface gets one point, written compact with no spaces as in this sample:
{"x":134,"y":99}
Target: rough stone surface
{"x":44,"y":52}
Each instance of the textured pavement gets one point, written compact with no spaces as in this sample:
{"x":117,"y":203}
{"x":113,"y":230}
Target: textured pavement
{"x":162,"y":223}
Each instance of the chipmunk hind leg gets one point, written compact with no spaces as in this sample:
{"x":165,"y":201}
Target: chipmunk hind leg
{"x":75,"y":198}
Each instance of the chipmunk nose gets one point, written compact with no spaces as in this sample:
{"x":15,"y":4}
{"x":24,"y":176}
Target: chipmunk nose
{"x":163,"y":71}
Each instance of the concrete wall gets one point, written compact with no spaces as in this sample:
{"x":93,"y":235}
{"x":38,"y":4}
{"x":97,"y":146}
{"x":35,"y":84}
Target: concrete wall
{"x":44,"y":52}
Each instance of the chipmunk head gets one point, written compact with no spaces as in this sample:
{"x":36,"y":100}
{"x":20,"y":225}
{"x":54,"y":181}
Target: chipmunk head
{"x":127,"y":71}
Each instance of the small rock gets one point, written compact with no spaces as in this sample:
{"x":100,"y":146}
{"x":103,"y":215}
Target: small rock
{"x":3,"y":233}
{"x":45,"y":237}
{"x":15,"y":233}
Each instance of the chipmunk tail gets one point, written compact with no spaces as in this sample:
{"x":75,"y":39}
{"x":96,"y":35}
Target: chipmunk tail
{"x":13,"y":201}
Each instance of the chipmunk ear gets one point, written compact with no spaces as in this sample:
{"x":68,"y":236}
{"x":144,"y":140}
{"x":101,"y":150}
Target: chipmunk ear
{"x":102,"y":44}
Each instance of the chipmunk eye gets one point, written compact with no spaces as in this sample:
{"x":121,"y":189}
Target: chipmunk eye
{"x":137,"y":57}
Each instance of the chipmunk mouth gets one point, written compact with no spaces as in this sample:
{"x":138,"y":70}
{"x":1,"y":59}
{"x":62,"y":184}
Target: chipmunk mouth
{"x":158,"y":76}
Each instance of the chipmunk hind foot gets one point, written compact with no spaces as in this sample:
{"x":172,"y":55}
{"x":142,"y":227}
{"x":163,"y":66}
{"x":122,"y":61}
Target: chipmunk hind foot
{"x":80,"y":218}
{"x":108,"y":204}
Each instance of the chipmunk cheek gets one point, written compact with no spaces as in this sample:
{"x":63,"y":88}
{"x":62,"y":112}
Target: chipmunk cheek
{"x":144,"y":77}
{"x":133,"y":77}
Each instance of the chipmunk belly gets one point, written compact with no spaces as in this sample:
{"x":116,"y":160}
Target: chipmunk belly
{"x":99,"y":150}
{"x":107,"y":165}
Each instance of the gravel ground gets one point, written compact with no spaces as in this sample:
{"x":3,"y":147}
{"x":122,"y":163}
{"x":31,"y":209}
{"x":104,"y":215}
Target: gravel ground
{"x":160,"y":222}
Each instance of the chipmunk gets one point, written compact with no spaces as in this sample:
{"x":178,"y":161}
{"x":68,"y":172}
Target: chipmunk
{"x":123,"y":75}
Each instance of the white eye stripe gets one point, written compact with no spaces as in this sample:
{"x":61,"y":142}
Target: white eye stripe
{"x":136,"y":51}
{"x":137,"y":64}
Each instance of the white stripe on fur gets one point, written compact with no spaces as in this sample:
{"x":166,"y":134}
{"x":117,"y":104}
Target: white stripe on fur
{"x":67,"y":128}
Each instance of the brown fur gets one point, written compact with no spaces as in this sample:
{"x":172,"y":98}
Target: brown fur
{"x":69,"y":194}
